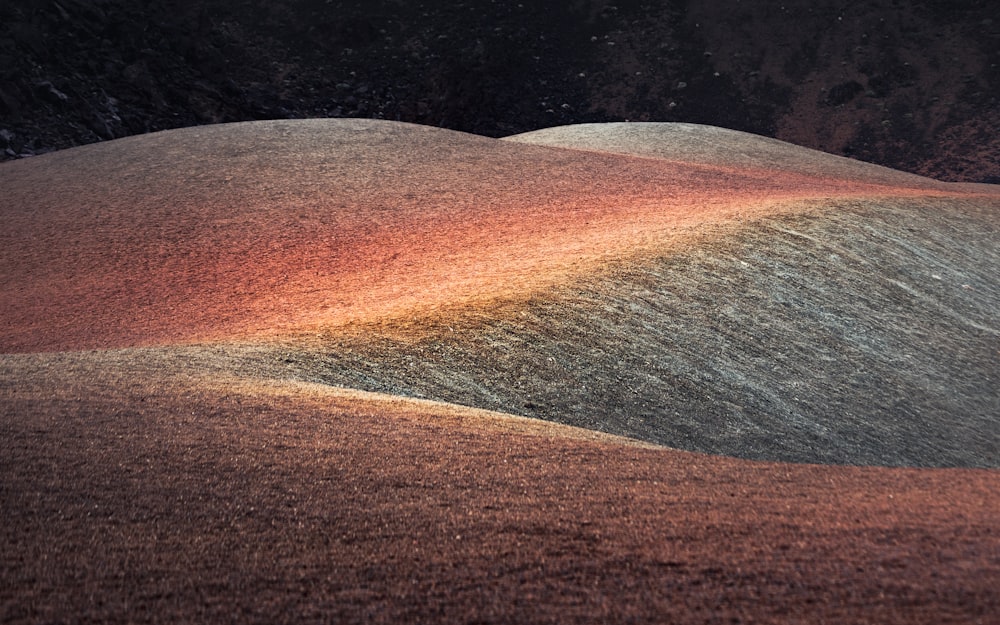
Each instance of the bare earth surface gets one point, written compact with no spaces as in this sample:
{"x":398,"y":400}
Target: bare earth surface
{"x":272,"y":372}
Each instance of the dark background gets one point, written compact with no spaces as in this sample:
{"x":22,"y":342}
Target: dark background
{"x":909,"y":84}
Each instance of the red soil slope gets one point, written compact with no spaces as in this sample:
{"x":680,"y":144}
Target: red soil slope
{"x":144,"y":485}
{"x":245,"y":229}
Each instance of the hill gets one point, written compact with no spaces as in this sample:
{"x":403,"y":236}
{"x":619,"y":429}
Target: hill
{"x":280,"y":371}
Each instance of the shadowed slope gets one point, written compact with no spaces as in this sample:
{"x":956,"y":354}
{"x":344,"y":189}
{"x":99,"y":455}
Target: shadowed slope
{"x":861,"y":332}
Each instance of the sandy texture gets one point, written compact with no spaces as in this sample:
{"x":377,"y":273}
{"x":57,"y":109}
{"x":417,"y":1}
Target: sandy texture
{"x":179,"y":311}
{"x":713,"y":146}
{"x":839,"y":333}
{"x":251,"y":228}
{"x":151,"y":500}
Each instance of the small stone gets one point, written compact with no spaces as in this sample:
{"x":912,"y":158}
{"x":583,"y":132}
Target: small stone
{"x":49,"y":91}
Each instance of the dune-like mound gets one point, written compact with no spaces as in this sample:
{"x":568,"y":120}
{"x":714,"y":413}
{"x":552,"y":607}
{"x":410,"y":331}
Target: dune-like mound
{"x":371,"y":371}
{"x":248,"y":229}
{"x":723,"y":293}
{"x":713,"y":146}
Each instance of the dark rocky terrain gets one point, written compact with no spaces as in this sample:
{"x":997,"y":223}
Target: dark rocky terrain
{"x":908,"y":84}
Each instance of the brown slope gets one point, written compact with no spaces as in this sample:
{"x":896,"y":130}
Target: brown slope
{"x":136,"y":495}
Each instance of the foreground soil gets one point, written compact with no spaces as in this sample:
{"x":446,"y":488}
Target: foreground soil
{"x":135,"y":497}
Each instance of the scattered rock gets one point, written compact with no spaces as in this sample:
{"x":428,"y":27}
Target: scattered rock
{"x":48,"y":91}
{"x":481,"y":67}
